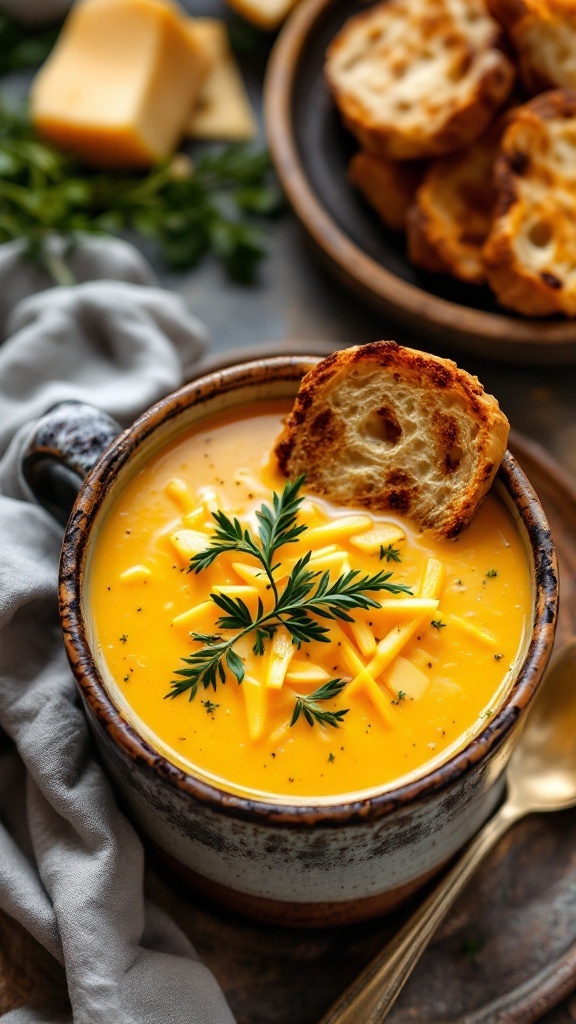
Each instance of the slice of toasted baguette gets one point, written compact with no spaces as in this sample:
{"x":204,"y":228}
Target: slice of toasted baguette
{"x":449,"y":221}
{"x":530,"y":253}
{"x":395,"y":430}
{"x":388,"y":185}
{"x":543,"y":32}
{"x":418,"y":78}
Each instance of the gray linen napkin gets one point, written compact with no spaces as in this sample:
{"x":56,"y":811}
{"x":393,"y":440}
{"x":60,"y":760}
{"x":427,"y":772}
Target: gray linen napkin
{"x":71,"y":866}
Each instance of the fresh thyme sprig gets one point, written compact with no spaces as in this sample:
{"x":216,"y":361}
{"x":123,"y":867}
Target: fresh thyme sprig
{"x":306,"y":595}
{"x":305,"y":592}
{"x":308,"y":705}
{"x":390,"y":553}
{"x":276,"y":527}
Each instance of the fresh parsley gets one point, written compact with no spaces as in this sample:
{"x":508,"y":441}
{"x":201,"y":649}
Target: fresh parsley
{"x":186,"y":209}
{"x":305,"y":597}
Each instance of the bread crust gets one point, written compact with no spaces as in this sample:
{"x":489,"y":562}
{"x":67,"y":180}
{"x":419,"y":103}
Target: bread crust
{"x":530,"y":253}
{"x":418,"y":79}
{"x":388,"y":185}
{"x":452,"y":212}
{"x":543,"y":32}
{"x":393,"y":429}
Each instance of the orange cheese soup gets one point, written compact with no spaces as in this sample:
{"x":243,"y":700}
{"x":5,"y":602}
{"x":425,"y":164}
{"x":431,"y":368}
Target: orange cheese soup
{"x":394,"y":691}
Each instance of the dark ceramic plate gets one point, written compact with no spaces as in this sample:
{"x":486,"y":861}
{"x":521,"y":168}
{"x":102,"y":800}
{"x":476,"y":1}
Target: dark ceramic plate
{"x":311,"y":151}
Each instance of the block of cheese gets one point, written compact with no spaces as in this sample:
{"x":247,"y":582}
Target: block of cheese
{"x":120,"y":84}
{"x":266,"y":14}
{"x":223,"y":110}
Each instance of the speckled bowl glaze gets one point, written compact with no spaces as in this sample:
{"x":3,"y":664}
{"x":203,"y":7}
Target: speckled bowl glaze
{"x":316,"y":862}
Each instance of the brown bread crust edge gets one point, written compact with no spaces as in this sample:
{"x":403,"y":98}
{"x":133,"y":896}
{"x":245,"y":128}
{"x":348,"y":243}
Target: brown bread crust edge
{"x":453,"y":414}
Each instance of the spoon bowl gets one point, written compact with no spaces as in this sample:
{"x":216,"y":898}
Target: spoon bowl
{"x":541,"y":776}
{"x":542,"y":770}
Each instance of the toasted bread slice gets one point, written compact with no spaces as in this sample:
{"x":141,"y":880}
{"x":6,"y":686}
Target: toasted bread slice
{"x":388,"y":185}
{"x":449,"y":221}
{"x":395,"y":430}
{"x":419,"y":78}
{"x":543,"y":32}
{"x":530,"y":253}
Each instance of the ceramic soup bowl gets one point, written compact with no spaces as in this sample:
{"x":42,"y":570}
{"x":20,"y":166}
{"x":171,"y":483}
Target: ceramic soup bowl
{"x":307,"y":861}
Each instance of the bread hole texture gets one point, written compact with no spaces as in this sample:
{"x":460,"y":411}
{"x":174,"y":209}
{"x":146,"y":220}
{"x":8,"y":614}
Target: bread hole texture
{"x":377,"y":431}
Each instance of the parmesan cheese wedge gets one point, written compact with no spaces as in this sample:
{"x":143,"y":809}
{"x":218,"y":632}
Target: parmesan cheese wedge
{"x":222,"y":111}
{"x":120,"y":83}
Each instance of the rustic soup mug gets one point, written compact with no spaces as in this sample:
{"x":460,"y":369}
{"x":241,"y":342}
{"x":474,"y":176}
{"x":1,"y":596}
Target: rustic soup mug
{"x":319,"y":861}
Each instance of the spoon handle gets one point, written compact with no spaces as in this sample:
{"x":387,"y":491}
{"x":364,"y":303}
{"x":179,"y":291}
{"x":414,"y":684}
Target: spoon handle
{"x":369,"y":998}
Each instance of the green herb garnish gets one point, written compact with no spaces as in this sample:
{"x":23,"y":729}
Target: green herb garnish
{"x":307,"y":595}
{"x":277,"y":526}
{"x":492,"y":573}
{"x":308,"y":705}
{"x":390,"y":553}
{"x":438,"y":624}
{"x":187,"y":209}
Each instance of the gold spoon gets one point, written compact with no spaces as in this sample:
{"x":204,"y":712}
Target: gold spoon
{"x":541,"y":776}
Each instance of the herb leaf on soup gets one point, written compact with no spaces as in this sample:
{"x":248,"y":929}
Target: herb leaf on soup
{"x":306,"y":596}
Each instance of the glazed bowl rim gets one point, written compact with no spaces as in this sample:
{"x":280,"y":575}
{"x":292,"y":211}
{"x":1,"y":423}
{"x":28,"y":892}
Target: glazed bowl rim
{"x":477,"y":750}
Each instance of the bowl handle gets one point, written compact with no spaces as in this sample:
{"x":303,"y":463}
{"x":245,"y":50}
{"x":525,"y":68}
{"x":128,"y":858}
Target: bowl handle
{"x":67,"y":443}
